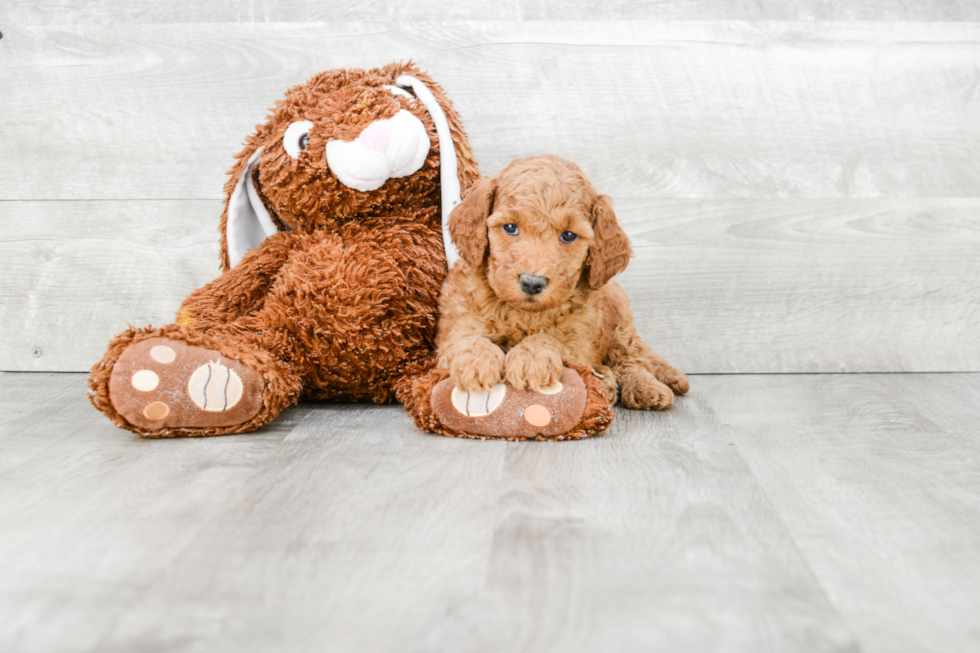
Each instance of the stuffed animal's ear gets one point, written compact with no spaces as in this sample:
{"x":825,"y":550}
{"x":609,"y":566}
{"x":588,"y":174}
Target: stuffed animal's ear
{"x":468,"y":221}
{"x":249,"y":222}
{"x":448,"y":163}
{"x":408,"y":75}
{"x":610,"y":251}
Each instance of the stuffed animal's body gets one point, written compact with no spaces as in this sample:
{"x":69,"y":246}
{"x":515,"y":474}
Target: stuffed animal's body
{"x":333,"y":253}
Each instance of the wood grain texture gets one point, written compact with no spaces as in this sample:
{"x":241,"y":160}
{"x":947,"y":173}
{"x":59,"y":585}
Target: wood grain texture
{"x":125,"y":510}
{"x":717,"y":285}
{"x":74,"y":274}
{"x":651,"y":538}
{"x":802,"y":195}
{"x":35,"y":12}
{"x":807,"y":286}
{"x":649,"y":108}
{"x":357,"y":532}
{"x":878,"y":480}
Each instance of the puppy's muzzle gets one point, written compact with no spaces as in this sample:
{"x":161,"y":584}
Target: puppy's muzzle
{"x":532,"y":284}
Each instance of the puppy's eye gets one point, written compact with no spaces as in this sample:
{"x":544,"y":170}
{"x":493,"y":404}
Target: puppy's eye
{"x":511,"y":229}
{"x":297,"y":137}
{"x":568,"y":237}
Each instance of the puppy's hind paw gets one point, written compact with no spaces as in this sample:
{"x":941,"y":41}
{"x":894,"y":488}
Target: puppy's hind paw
{"x":640,"y":389}
{"x":675,"y":380}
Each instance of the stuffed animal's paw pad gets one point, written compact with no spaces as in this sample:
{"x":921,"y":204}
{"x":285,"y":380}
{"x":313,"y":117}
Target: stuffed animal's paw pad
{"x":478,"y":404}
{"x":163,"y":354}
{"x":537,"y":415}
{"x":163,"y":383}
{"x":214,"y":387}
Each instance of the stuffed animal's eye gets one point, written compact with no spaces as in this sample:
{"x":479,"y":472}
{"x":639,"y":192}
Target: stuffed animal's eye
{"x":511,"y":229}
{"x":568,"y":237}
{"x":297,"y":137}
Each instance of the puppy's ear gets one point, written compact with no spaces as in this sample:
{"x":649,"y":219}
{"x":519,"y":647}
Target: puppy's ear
{"x":610,"y":250}
{"x":468,"y":221}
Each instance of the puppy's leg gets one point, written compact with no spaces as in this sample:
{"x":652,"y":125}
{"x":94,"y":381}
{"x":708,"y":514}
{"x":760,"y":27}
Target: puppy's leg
{"x":646,"y":380}
{"x":474,"y":363}
{"x":665,"y":373}
{"x":535,"y":363}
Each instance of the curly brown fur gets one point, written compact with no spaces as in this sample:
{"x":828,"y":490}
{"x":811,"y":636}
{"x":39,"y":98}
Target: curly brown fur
{"x":350,"y":309}
{"x":345,"y":296}
{"x":492,"y":329}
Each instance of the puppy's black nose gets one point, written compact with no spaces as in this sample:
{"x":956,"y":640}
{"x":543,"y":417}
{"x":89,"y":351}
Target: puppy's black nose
{"x":532,"y":284}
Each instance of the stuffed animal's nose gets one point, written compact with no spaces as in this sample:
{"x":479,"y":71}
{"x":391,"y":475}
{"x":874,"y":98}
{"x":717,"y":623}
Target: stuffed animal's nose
{"x":377,"y":136}
{"x":532,"y":284}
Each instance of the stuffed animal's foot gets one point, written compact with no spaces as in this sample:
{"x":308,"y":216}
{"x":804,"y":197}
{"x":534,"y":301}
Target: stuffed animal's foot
{"x":576,"y":406}
{"x":163,"y":383}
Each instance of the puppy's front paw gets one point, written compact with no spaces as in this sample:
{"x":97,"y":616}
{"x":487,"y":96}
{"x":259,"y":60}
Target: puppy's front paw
{"x":478,"y":367}
{"x":532,"y":367}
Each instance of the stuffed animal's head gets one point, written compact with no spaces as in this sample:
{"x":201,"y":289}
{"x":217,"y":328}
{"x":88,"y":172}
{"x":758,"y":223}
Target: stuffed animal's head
{"x":347,"y":145}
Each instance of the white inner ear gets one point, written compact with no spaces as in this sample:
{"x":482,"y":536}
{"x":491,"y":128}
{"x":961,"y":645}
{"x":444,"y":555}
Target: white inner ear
{"x":249,"y":222}
{"x":395,"y":147}
{"x":447,"y":160}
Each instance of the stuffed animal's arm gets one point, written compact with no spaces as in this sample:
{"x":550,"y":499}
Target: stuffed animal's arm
{"x":240,"y":289}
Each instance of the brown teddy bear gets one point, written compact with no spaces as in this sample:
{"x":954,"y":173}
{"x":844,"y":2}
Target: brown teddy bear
{"x":333,"y":250}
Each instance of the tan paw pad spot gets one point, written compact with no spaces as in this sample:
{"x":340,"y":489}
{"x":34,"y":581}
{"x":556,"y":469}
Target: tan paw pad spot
{"x":478,"y":404}
{"x":156,"y":411}
{"x":214,"y":387}
{"x":163,"y":354}
{"x":537,"y":415}
{"x":145,"y":380}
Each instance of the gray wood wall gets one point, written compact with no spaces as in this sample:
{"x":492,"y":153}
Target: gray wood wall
{"x":800,"y":178}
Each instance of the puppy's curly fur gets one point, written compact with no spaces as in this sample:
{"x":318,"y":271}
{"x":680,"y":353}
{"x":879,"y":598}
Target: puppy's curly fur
{"x":540,"y":221}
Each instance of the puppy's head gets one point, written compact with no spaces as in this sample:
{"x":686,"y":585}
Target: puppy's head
{"x":539,"y":230}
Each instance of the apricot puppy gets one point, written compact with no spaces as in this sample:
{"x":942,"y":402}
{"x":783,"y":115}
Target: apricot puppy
{"x":538,"y":246}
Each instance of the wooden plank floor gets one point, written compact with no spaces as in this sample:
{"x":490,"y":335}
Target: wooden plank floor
{"x":761,"y":513}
